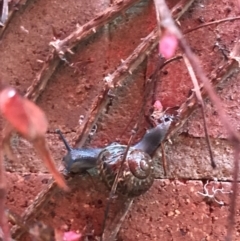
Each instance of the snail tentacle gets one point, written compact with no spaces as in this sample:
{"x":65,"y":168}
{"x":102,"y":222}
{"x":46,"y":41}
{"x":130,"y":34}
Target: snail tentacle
{"x":79,"y":160}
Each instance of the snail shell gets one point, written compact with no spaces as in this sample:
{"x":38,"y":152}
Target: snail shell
{"x":136,"y":176}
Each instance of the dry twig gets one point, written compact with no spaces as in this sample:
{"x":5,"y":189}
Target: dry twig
{"x":116,"y":78}
{"x":167,"y":23}
{"x":200,"y":99}
{"x":33,"y":210}
{"x":12,"y":10}
{"x":3,"y":219}
{"x":216,"y":22}
{"x":113,"y":80}
{"x":82,"y":32}
{"x":62,"y":46}
{"x":112,"y":193}
{"x":222,"y":73}
{"x":26,"y":118}
{"x":4,"y":16}
{"x":112,"y":230}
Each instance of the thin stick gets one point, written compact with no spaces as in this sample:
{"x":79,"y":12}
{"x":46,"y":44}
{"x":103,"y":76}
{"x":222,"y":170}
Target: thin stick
{"x":3,"y":220}
{"x":219,"y":75}
{"x":14,"y":219}
{"x":233,"y":136}
{"x":82,"y":32}
{"x":115,"y":80}
{"x":33,"y":210}
{"x":60,"y":47}
{"x":114,"y":186}
{"x":212,"y":23}
{"x":66,"y":45}
{"x":169,"y":25}
{"x":4,"y":16}
{"x":39,"y":83}
{"x":164,"y":161}
{"x":23,"y":4}
{"x":184,"y":7}
{"x":200,"y":99}
{"x":168,"y":61}
{"x":231,"y":218}
{"x":111,"y":232}
{"x":185,"y":111}
{"x":124,"y":211}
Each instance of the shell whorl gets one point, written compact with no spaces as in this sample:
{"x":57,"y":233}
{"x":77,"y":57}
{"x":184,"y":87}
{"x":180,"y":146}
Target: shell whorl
{"x":137,"y":171}
{"x":139,"y":164}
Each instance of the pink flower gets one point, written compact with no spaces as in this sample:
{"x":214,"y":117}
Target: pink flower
{"x":168,"y":45}
{"x":158,"y":106}
{"x":71,"y":236}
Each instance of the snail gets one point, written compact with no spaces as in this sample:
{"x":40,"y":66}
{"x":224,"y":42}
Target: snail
{"x":137,"y":171}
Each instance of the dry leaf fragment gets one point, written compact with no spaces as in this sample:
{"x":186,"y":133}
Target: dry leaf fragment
{"x":29,"y":120}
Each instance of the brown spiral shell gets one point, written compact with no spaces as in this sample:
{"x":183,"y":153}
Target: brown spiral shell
{"x":137,"y":172}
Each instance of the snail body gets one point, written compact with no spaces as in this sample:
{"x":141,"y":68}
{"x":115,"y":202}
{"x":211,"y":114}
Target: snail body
{"x":87,"y":155}
{"x":137,"y":170}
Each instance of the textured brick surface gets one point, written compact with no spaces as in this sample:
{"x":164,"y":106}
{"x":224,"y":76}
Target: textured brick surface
{"x":170,"y":210}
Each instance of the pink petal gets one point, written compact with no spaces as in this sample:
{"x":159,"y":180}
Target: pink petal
{"x":24,"y":115}
{"x":71,"y":236}
{"x":157,"y":105}
{"x":168,"y":45}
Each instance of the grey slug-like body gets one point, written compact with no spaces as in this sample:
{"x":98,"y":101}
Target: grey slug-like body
{"x":137,"y":171}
